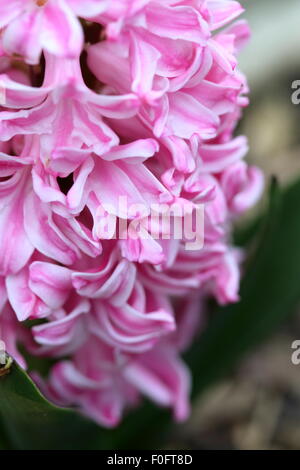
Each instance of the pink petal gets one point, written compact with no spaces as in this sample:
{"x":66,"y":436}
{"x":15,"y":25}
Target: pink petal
{"x":62,"y":34}
{"x":15,"y":246}
{"x":50,"y":282}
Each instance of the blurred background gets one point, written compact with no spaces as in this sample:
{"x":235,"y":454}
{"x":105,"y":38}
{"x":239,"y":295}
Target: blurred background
{"x":258,"y":406}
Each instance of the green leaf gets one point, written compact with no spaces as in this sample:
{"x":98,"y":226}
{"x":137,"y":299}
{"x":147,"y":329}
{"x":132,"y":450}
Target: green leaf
{"x":33,"y":423}
{"x":4,"y":441}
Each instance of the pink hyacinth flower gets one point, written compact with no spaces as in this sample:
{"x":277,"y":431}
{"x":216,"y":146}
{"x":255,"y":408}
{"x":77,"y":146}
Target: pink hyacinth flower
{"x":110,"y":111}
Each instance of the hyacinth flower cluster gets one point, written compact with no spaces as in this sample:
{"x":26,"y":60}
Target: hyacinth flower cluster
{"x":102,"y":101}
